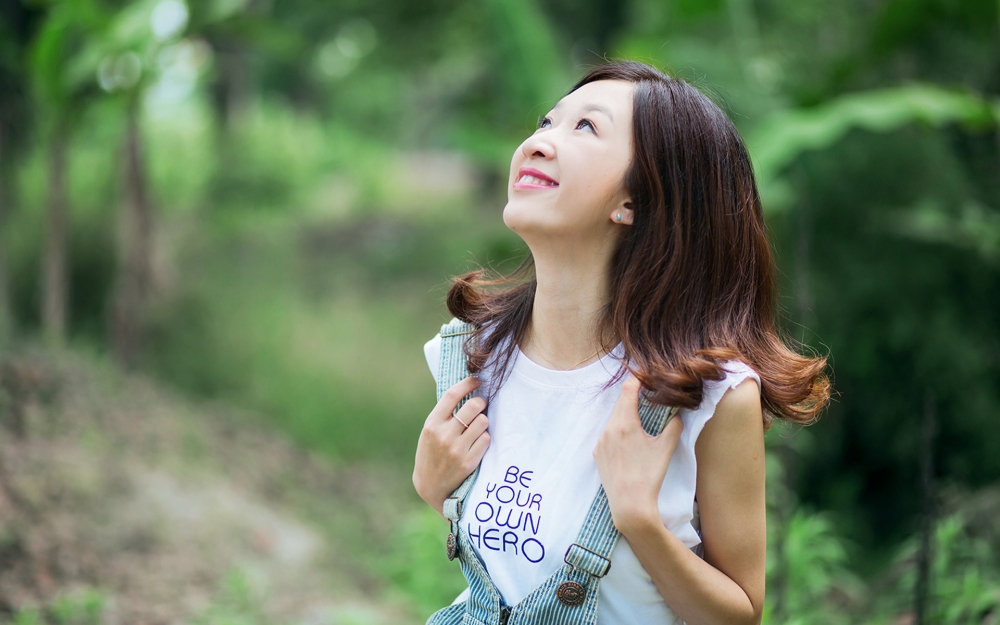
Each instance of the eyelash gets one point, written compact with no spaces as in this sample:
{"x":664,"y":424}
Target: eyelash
{"x":543,"y":119}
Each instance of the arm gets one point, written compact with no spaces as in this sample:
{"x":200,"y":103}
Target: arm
{"x":728,"y":585}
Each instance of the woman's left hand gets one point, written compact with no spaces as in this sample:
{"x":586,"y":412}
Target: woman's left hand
{"x":633,"y":463}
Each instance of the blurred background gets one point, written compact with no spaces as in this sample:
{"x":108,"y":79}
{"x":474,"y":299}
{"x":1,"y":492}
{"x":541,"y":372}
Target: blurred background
{"x":226,"y":231}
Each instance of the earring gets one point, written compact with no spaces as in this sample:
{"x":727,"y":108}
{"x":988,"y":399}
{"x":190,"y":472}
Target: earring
{"x":618,"y":217}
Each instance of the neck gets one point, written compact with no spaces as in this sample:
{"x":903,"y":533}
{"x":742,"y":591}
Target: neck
{"x":572,"y":292}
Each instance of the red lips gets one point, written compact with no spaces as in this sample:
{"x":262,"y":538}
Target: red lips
{"x":531,"y":171}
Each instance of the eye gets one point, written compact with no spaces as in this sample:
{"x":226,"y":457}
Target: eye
{"x":543,"y":121}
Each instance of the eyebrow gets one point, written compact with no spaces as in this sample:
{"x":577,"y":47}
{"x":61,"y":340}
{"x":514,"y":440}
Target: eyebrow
{"x":590,"y":107}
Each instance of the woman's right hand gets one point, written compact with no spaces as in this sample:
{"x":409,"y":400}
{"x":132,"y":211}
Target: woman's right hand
{"x":447,"y":451}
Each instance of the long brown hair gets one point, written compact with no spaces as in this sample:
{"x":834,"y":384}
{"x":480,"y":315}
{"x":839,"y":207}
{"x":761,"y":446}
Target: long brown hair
{"x":693,"y":280}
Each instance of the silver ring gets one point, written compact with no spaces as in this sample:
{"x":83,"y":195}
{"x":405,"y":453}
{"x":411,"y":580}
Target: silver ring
{"x":462,"y":422}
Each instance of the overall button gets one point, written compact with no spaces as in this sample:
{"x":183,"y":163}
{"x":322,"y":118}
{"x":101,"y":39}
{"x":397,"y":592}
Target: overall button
{"x":571,"y":593}
{"x":451,"y":546}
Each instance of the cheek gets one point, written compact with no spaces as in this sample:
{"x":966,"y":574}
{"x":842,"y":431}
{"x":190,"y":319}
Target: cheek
{"x":593,"y":191}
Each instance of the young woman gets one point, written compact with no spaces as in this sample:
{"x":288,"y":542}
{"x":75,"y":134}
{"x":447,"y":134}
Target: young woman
{"x":650,"y":276}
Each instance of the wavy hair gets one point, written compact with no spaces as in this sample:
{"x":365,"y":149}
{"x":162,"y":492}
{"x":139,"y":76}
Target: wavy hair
{"x":693,"y":280}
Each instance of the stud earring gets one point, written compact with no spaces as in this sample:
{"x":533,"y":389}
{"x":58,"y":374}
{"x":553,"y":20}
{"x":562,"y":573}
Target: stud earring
{"x":618,"y":217}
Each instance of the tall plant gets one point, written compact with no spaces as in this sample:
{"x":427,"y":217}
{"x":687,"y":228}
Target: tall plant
{"x":62,"y":87}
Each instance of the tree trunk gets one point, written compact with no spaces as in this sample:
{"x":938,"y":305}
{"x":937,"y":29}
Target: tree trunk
{"x":231,"y":90}
{"x":55,"y":287}
{"x":803,"y":252}
{"x":132,"y":284}
{"x":923,"y":592}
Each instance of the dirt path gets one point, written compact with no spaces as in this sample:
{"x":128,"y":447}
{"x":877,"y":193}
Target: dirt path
{"x":122,"y":499}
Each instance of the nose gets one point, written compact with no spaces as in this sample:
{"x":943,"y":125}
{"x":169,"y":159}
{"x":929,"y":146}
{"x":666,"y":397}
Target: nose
{"x":538,"y":145}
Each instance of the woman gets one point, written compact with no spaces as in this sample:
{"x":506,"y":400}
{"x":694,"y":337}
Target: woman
{"x":650,"y":279}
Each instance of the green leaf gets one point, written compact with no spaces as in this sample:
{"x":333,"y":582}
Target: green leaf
{"x":777,"y":141}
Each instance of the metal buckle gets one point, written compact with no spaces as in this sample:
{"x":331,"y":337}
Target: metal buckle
{"x":458,"y":508}
{"x":607,"y":568}
{"x":444,"y":335}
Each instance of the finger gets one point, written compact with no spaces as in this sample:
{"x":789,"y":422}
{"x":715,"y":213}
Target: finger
{"x":479,"y":447}
{"x":672,"y":430}
{"x":470,"y":409}
{"x":463,"y":421}
{"x":628,"y":401}
{"x":670,"y":436}
{"x":446,"y":405}
{"x":478,"y":425}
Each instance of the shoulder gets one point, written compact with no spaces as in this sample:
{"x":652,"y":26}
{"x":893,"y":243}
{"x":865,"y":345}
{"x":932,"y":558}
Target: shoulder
{"x":737,"y":416}
{"x":736,"y":375}
{"x":734,"y":396}
{"x":740,"y":402}
{"x":732,"y":393}
{"x":736,"y":372}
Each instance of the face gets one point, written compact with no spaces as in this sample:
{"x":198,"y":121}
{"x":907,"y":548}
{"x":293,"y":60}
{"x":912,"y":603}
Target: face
{"x":578,"y":156}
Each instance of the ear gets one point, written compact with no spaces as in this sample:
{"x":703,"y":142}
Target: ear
{"x":623,"y":214}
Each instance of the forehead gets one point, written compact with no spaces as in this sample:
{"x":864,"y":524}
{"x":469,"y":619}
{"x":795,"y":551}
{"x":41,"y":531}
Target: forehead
{"x":615,"y":96}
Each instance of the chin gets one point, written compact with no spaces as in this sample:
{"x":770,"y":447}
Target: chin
{"x":531,"y":223}
{"x":519,"y":218}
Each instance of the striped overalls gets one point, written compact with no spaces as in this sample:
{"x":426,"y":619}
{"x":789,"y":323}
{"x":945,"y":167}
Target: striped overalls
{"x":569,"y":595}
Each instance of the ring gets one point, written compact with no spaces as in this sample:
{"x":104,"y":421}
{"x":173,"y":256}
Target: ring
{"x":462,"y":422}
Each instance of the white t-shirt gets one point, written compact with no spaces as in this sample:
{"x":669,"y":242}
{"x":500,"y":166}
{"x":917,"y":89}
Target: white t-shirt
{"x":538,"y":479}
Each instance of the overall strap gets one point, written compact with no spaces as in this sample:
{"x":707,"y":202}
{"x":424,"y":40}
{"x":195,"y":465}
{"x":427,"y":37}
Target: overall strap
{"x":451,"y":370}
{"x":597,"y":538}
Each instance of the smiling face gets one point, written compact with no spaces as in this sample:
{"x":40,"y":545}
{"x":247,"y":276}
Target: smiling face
{"x":567,"y":179}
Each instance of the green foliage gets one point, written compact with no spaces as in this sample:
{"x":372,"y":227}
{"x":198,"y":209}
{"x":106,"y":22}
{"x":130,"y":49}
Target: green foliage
{"x":300,"y":276}
{"x":900,"y":313}
{"x":280,"y":161}
{"x":28,"y":616}
{"x":809,"y":579}
{"x":316,"y":362}
{"x":235,"y":604}
{"x":56,"y":74}
{"x":965,"y":576}
{"x":85,"y":607}
{"x":531,"y":60}
{"x":238,"y":602}
{"x":777,"y":141}
{"x":92,"y":184}
{"x":417,"y":565}
{"x":970,"y":226}
{"x":808,"y":571}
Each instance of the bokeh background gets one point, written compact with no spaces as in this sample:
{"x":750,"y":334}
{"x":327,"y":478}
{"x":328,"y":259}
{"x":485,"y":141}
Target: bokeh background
{"x":227,"y":227}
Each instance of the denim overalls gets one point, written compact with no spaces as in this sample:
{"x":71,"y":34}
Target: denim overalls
{"x":569,"y":595}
